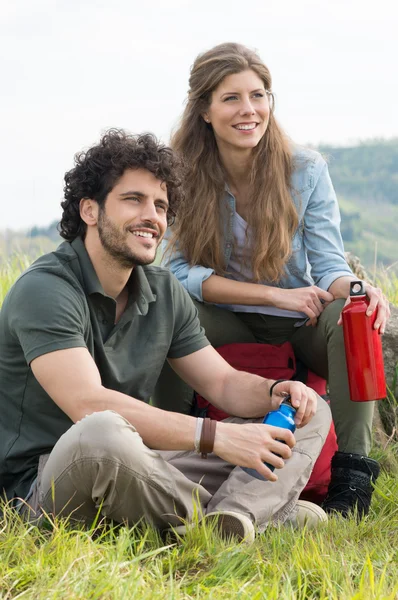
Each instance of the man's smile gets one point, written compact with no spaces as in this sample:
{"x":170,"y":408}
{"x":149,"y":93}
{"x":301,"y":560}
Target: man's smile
{"x":145,"y":233}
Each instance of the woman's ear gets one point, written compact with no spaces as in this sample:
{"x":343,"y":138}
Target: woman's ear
{"x":206,"y":117}
{"x":89,"y":211}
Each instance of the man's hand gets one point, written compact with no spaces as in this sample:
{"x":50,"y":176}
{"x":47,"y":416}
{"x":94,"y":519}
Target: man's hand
{"x":253,"y":444}
{"x":303,"y":399}
{"x":239,"y":393}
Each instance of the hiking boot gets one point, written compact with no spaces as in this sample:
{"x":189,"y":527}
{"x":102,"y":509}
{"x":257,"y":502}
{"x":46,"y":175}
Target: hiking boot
{"x":307,"y":514}
{"x":351,"y":486}
{"x":228,"y":524}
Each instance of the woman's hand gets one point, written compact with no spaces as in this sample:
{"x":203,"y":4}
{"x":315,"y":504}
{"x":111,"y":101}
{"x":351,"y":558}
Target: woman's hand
{"x":308,"y":300}
{"x":252,"y":444}
{"x":303,"y":399}
{"x":376,"y":300}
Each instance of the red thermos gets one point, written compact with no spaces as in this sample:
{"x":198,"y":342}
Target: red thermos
{"x":363,"y":349}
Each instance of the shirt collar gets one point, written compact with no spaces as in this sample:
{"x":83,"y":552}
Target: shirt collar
{"x":140,"y":291}
{"x":91,"y":282}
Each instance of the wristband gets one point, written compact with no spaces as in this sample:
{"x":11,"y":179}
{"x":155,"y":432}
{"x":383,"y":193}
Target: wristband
{"x":198,"y":434}
{"x":207,"y":437}
{"x":271,"y":389}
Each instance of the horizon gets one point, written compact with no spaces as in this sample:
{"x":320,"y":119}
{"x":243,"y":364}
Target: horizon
{"x":365,"y":142}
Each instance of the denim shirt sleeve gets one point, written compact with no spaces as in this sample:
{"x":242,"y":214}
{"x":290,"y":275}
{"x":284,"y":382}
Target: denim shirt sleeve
{"x":191,"y":278}
{"x":321,"y":236}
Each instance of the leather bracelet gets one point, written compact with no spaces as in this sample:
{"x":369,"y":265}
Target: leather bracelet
{"x":207,"y":437}
{"x":198,"y":434}
{"x":271,"y":389}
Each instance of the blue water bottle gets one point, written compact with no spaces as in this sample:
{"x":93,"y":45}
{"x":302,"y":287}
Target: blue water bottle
{"x":283,"y":417}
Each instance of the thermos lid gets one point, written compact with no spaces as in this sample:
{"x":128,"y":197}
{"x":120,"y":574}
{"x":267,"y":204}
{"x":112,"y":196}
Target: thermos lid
{"x":357,"y":288}
{"x":287,"y":400}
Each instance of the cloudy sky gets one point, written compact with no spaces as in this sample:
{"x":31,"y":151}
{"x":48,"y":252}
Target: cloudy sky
{"x":71,"y":68}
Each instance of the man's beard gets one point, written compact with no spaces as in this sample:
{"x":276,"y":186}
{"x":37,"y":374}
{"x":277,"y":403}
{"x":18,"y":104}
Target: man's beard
{"x":114,"y":242}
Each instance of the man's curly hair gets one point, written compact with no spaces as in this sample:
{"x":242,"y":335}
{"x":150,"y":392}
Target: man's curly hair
{"x":98,"y":169}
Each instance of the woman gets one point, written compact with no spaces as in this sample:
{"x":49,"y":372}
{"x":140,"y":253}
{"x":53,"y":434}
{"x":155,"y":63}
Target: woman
{"x":257,"y":245}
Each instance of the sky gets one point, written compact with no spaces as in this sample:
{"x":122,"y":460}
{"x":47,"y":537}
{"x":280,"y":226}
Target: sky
{"x":70,"y":69}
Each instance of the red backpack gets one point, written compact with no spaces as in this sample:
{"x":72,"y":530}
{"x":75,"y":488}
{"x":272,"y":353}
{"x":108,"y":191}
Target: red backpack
{"x":278,"y":362}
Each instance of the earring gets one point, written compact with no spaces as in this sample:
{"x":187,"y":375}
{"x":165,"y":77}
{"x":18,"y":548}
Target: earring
{"x":207,"y":119}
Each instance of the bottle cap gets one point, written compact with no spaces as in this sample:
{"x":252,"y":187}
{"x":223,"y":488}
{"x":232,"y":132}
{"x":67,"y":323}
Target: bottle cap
{"x":357,"y":288}
{"x":287,"y":400}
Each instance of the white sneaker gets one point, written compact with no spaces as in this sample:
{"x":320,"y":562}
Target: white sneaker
{"x":228,"y":524}
{"x":307,"y":514}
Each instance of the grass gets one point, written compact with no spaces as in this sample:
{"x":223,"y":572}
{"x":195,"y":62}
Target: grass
{"x":340,"y":561}
{"x":387,"y":280}
{"x":10,"y":269}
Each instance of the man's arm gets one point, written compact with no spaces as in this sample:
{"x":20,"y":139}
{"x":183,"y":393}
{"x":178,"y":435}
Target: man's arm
{"x":71,"y":378}
{"x":237,"y":392}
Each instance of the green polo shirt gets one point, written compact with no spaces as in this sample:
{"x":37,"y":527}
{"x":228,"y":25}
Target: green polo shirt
{"x":59,"y":303}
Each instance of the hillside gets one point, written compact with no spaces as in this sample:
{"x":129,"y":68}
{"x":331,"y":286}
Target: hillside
{"x":366,"y":181}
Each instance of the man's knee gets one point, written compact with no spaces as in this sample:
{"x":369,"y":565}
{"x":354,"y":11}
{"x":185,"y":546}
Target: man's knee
{"x":103,"y":442}
{"x":101,"y":429}
{"x":108,"y":435}
{"x":100,"y":435}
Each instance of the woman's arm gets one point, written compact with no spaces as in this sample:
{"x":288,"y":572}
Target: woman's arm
{"x":203,"y":285}
{"x":309,"y":300}
{"x":191,"y":277}
{"x":321,"y":236}
{"x":323,"y":241}
{"x":221,"y":290}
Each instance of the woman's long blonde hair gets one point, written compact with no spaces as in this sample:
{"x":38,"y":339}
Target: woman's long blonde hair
{"x":272,"y":217}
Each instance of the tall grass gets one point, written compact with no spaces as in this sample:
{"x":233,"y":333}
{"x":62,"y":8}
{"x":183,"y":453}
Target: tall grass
{"x":10,"y":269}
{"x":340,"y":561}
{"x":387,"y":280}
{"x":332,"y":562}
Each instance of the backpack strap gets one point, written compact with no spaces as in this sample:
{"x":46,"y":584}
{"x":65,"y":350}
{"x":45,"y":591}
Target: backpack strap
{"x":198,"y":411}
{"x":301,"y":373}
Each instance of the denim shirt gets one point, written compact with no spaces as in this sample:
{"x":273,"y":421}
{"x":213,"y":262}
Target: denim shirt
{"x":317,"y":247}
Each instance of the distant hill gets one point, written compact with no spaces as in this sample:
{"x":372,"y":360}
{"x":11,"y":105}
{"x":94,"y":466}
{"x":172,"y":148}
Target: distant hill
{"x":33,"y":242}
{"x":51,"y":232}
{"x":368,"y":172}
{"x":366,"y":181}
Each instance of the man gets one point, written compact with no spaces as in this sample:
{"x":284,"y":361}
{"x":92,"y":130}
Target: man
{"x":84,"y":333}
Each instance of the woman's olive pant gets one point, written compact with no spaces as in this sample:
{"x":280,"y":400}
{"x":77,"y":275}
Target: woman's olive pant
{"x":320,"y":348}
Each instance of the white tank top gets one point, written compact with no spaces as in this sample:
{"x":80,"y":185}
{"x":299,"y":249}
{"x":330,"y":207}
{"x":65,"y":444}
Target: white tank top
{"x":239,"y":272}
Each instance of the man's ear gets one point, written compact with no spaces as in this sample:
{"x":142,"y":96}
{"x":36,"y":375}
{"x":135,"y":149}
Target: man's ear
{"x":89,"y":211}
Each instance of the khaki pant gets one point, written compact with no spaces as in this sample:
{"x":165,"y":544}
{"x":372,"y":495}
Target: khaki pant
{"x":320,"y":348}
{"x":101,"y":464}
